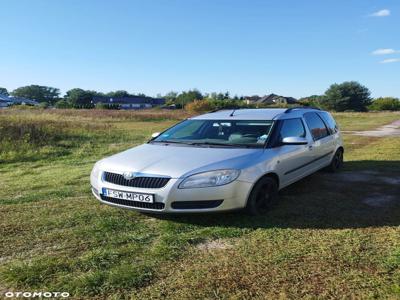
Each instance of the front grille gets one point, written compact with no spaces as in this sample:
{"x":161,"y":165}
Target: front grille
{"x":203,"y":204}
{"x":140,"y":182}
{"x":155,"y":205}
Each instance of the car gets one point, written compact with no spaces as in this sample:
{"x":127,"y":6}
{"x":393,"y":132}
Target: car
{"x":220,"y":161}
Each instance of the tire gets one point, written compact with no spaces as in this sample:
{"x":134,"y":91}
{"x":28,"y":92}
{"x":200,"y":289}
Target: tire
{"x":262,"y":197}
{"x":337,"y":161}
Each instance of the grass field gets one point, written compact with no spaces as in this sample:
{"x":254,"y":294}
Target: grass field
{"x":329,"y":237}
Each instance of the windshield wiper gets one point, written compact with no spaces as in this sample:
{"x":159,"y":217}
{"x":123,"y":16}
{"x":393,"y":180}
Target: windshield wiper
{"x":172,"y":142}
{"x":220,"y":144}
{"x":227,"y":145}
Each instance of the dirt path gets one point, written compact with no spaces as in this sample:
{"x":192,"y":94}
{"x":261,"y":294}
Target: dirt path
{"x":392,"y":129}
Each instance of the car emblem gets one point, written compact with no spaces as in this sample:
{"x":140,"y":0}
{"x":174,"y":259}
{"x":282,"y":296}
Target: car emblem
{"x":129,"y":175}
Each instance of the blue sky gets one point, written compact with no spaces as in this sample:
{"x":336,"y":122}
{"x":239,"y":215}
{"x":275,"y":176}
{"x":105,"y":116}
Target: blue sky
{"x":294,"y":48}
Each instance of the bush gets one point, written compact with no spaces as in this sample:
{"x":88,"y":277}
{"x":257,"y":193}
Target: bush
{"x":43,"y":104}
{"x":106,"y":106}
{"x":212,"y":104}
{"x":314,"y":100}
{"x":386,"y":103}
{"x":83,"y":106}
{"x":229,"y":104}
{"x":200,"y":106}
{"x":63,"y":104}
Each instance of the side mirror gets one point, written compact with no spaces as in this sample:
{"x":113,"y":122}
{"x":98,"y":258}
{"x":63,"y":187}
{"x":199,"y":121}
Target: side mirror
{"x":294,"y":140}
{"x":155,"y":134}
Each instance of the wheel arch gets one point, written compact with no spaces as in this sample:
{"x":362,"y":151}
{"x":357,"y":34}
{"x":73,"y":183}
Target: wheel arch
{"x":272,"y":175}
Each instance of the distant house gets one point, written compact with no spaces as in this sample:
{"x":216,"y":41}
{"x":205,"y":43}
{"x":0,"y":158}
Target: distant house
{"x":270,"y":99}
{"x":4,"y":101}
{"x":7,"y":101}
{"x":132,"y":102}
{"x":252,"y":99}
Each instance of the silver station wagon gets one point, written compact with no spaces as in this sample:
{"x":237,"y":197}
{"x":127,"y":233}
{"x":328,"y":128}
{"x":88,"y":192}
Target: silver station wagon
{"x":219,"y":161}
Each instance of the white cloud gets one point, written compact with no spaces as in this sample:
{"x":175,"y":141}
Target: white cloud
{"x":381,"y":13}
{"x":390,"y":60}
{"x":384,"y":51}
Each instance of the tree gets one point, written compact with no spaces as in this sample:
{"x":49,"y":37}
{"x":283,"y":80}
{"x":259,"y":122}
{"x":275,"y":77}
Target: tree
{"x":37,"y":92}
{"x":219,"y":96}
{"x":349,"y":95}
{"x":118,"y":94}
{"x":3,"y":91}
{"x":171,"y":96}
{"x":313,"y":100}
{"x":80,"y":97}
{"x":385,"y":103}
{"x":189,"y":96}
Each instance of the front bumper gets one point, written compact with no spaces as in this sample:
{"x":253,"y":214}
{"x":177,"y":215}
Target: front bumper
{"x":170,"y":199}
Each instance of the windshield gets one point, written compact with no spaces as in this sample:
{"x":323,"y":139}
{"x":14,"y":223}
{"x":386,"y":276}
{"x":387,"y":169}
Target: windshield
{"x":250,"y":133}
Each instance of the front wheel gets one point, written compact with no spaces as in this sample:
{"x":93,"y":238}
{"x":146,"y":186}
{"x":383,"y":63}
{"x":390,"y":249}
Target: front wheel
{"x":337,"y":161}
{"x":263,"y":196}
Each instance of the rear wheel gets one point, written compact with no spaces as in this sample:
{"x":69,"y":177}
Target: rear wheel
{"x":263,"y":196}
{"x":337,"y":161}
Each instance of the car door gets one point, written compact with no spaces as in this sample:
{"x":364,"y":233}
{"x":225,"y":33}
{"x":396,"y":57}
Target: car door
{"x":333,"y":129}
{"x":322,"y":144}
{"x":292,"y":158}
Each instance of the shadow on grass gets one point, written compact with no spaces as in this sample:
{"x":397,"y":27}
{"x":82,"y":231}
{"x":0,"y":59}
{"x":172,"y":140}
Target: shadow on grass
{"x":364,"y":194}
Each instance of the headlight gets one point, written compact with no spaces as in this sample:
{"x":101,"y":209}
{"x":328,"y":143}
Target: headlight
{"x":208,"y":179}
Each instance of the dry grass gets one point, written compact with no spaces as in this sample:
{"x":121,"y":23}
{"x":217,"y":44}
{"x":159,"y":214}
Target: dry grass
{"x":134,"y":115}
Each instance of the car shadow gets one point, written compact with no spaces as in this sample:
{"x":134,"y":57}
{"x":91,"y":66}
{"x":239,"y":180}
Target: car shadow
{"x":363,"y":194}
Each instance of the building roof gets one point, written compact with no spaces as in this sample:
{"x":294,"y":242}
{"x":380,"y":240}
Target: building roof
{"x":252,"y":98}
{"x":20,"y":100}
{"x":255,"y":114}
{"x":4,"y":98}
{"x":17,"y":100}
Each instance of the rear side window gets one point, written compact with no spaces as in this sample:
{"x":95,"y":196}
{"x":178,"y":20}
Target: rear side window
{"x":329,"y":121}
{"x":316,"y":126}
{"x":292,"y":128}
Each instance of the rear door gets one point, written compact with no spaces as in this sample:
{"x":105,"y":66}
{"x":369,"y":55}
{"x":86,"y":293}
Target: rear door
{"x":323,"y":143}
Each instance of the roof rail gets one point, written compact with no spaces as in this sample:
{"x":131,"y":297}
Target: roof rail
{"x":301,"y":107}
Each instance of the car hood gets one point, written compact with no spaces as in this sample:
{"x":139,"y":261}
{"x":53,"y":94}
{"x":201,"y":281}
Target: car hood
{"x":178,"y":161}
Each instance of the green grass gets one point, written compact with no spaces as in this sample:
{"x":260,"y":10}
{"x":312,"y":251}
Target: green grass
{"x":321,"y":241}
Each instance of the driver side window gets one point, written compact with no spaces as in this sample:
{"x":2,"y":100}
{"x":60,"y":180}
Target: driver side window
{"x":292,"y":128}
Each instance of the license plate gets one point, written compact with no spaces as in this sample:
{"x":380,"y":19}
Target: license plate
{"x":140,"y":197}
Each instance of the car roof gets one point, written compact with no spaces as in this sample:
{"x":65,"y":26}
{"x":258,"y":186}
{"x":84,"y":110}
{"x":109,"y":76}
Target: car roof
{"x":255,"y":114}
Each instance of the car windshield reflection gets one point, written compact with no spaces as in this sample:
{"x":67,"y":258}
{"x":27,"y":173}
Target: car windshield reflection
{"x":219,"y":133}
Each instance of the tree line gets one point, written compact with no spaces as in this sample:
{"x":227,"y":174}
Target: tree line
{"x":346,"y":96}
{"x":76,"y":97}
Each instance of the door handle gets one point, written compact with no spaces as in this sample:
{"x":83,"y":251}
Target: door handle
{"x":310,"y":147}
